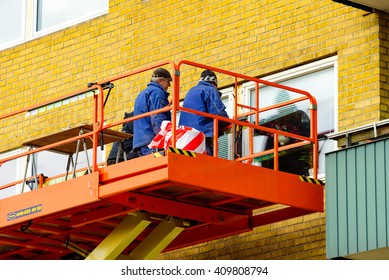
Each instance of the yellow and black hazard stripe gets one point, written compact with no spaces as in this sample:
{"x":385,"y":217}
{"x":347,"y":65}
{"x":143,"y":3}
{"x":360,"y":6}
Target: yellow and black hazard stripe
{"x":182,"y":152}
{"x":159,"y":154}
{"x":311,"y":180}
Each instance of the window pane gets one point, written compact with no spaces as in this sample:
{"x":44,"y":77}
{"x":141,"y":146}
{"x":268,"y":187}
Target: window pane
{"x":320,"y":84}
{"x":51,"y":13}
{"x":223,"y":140}
{"x":10,"y":171}
{"x":11,"y":21}
{"x":225,"y":144}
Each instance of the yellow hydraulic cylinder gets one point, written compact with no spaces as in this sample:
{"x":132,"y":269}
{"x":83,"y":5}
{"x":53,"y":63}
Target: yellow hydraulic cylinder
{"x":158,"y":240}
{"x":114,"y":244}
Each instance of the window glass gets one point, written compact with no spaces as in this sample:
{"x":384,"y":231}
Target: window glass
{"x":320,"y":84}
{"x":54,"y":13}
{"x":24,"y":20}
{"x":11,"y":21}
{"x":45,"y":161}
{"x":14,"y":170}
{"x":320,"y":80}
{"x":11,"y":171}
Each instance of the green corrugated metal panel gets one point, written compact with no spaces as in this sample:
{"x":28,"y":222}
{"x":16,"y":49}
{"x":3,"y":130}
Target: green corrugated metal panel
{"x":357,"y":199}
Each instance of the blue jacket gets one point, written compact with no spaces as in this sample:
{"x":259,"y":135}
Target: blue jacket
{"x":152,"y":98}
{"x":205,"y":98}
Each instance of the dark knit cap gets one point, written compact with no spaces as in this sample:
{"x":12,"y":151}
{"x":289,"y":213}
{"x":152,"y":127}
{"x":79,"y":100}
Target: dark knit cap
{"x":209,"y":76}
{"x":162,"y":73}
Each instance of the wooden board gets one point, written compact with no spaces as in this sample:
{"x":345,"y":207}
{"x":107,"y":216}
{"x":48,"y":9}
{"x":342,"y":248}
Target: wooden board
{"x":109,"y":136}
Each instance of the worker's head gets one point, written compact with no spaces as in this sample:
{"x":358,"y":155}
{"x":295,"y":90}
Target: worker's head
{"x":209,"y":76}
{"x":162,"y":77}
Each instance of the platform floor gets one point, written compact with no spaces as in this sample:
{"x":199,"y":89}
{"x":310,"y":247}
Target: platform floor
{"x":212,"y":197}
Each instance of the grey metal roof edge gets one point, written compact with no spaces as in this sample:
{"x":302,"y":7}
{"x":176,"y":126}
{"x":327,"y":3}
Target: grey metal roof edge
{"x":373,"y":125}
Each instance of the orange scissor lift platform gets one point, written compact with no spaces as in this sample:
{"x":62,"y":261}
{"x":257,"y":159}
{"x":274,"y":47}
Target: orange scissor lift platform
{"x":138,"y":208}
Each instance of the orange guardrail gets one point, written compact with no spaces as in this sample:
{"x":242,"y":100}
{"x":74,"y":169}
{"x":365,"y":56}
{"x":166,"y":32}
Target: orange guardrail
{"x":313,"y":139}
{"x":240,"y":110}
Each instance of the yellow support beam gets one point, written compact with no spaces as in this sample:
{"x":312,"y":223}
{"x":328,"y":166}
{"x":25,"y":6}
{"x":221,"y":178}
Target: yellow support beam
{"x":75,"y":248}
{"x":114,"y":244}
{"x":157,"y":240}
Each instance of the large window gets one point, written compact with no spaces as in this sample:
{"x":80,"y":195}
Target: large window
{"x":11,"y":171}
{"x":320,"y":80}
{"x":24,"y":20}
{"x":50,"y":164}
{"x":12,"y":20}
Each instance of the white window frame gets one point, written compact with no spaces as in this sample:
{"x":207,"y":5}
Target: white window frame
{"x":63,"y":25}
{"x":29,"y":18}
{"x":47,"y":162}
{"x":294,"y":73}
{"x":22,"y":37}
{"x":228,"y":93}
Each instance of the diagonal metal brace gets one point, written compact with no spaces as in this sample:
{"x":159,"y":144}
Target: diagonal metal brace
{"x":158,"y":239}
{"x":114,"y":244}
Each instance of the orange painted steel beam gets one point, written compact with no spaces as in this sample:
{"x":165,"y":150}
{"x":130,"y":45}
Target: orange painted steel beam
{"x":58,"y":197}
{"x":56,"y":218}
{"x":29,"y":237}
{"x":126,"y":169}
{"x":20,"y":251}
{"x":277,"y":216}
{"x":81,"y":219}
{"x":209,"y":232}
{"x":133,"y":183}
{"x":33,"y":246}
{"x":244,"y":180}
{"x":222,"y":176}
{"x":184,"y":210}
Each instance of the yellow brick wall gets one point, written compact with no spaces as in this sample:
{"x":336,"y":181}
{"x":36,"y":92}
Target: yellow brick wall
{"x":247,"y":36}
{"x":295,"y":239}
{"x":384,"y":66}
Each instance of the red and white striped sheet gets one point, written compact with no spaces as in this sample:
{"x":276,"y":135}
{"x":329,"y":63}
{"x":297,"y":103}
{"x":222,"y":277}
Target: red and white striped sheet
{"x":187,"y":138}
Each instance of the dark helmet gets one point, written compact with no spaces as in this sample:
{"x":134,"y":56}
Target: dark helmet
{"x":162,"y":73}
{"x":209,"y":76}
